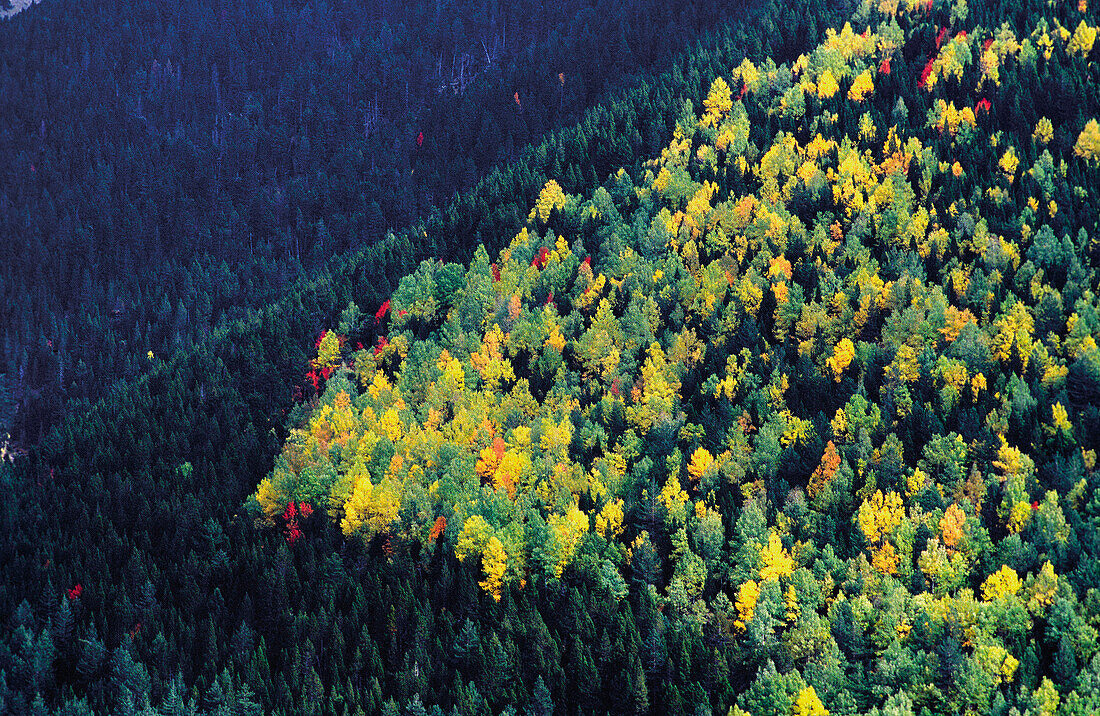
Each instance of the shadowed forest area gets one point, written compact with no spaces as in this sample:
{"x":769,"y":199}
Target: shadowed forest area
{"x":172,"y":166}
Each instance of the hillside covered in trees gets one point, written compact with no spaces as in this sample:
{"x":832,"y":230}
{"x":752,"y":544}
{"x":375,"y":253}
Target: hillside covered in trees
{"x":169,"y":166}
{"x":795,"y":412}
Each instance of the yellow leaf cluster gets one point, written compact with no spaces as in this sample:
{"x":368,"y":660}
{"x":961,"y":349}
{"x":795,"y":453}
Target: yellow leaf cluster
{"x":1015,"y":328}
{"x":1088,"y":142}
{"x":861,"y":87}
{"x":328,"y":351}
{"x":494,"y":560}
{"x":268,"y":499}
{"x":808,"y":704}
{"x":1044,"y":588}
{"x":842,"y":356}
{"x":1008,"y":163}
{"x":905,"y":367}
{"x":951,"y":525}
{"x":1044,"y":131}
{"x":879,"y":515}
{"x":673,"y":497}
{"x":718,"y":103}
{"x":702,"y":462}
{"x":827,"y":85}
{"x":551,"y":197}
{"x":777,"y":562}
{"x":569,"y":530}
{"x":1002,"y":583}
{"x":1082,"y":40}
{"x":1060,"y":418}
{"x":371,"y":508}
{"x":609,"y":521}
{"x":747,"y":595}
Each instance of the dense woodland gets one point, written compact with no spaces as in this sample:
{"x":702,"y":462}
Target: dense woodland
{"x":771,"y":387}
{"x":169,"y":166}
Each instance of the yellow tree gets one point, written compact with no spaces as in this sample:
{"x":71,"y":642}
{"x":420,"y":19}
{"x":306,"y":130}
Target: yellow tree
{"x":718,"y":103}
{"x":551,"y":197}
{"x":569,"y":529}
{"x":328,"y":351}
{"x":747,"y":595}
{"x":269,"y":501}
{"x":843,"y":354}
{"x":1082,"y":40}
{"x":473,"y":538}
{"x":494,"y":560}
{"x":1014,"y":328}
{"x":1008,"y":163}
{"x":371,"y":508}
{"x":609,"y":521}
{"x":861,"y":87}
{"x":951,"y":526}
{"x":702,"y":463}
{"x":1002,"y":583}
{"x":1088,"y":143}
{"x":490,"y":362}
{"x":827,"y":85}
{"x":1044,"y":131}
{"x":808,"y":704}
{"x":777,"y":562}
{"x":878,"y":516}
{"x":905,"y":367}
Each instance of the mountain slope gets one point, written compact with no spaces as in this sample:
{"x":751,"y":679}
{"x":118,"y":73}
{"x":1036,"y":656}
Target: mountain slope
{"x":829,"y":400}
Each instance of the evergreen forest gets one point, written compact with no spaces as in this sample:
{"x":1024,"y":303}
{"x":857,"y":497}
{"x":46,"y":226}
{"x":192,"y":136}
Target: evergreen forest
{"x":574,"y":359}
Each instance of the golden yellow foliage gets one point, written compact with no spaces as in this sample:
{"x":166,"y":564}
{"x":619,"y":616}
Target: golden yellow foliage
{"x":268,"y":499}
{"x":1018,"y":517}
{"x":1002,"y":583}
{"x":777,"y":562}
{"x":494,"y":560}
{"x":701,"y":463}
{"x":827,"y":85}
{"x":977,"y":384}
{"x":673,"y":497}
{"x":551,"y":197}
{"x":995,"y":661}
{"x":490,"y":362}
{"x":718,"y":103}
{"x":1088,"y":142}
{"x":1082,"y":40}
{"x":1008,"y":163}
{"x":371,"y":508}
{"x":884,"y":558}
{"x":569,"y":529}
{"x":808,"y":704}
{"x":955,"y":321}
{"x":1046,"y":697}
{"x":843,"y":353}
{"x":328,"y":351}
{"x":1012,"y":462}
{"x":1044,"y":588}
{"x":951,"y":525}
{"x":750,"y":296}
{"x":861,"y":87}
{"x":747,"y":594}
{"x":879,"y":515}
{"x":779,"y":267}
{"x":904,"y":367}
{"x":609,"y":521}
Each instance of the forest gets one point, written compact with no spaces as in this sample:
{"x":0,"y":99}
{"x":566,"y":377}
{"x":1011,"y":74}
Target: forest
{"x":770,"y":386}
{"x":166,"y":174}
